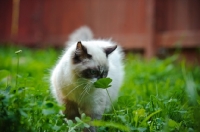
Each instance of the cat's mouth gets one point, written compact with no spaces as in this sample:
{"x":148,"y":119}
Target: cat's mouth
{"x":94,"y":80}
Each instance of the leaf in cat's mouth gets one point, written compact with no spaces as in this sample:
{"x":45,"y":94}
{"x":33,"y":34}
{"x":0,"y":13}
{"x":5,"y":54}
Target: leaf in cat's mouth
{"x":103,"y":83}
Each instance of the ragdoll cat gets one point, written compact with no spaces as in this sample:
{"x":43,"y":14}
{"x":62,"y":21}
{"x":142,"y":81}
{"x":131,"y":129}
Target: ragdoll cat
{"x":85,"y":61}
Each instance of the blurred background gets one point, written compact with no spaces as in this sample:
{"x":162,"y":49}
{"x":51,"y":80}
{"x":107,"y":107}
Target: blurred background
{"x":150,"y":27}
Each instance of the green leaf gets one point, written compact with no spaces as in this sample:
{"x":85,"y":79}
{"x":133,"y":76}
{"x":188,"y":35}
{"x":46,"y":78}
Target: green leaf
{"x":173,"y":124}
{"x":126,"y":101}
{"x":148,"y":117}
{"x":23,"y":113}
{"x":70,"y":123}
{"x":86,"y":125}
{"x":48,"y":111}
{"x":49,"y":104}
{"x":78,"y":119}
{"x":103,"y":83}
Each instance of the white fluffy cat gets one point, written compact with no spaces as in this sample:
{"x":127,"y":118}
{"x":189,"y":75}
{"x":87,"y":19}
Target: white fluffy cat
{"x":84,"y":61}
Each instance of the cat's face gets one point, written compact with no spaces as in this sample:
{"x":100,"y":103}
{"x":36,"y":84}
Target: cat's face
{"x":91,"y":66}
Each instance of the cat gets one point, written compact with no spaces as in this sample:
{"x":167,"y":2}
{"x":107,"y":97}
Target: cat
{"x":84,"y":61}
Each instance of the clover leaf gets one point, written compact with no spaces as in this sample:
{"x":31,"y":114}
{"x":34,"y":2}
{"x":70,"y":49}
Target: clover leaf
{"x":103,"y":83}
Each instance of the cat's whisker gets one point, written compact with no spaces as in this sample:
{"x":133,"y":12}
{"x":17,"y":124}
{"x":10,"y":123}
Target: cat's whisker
{"x":81,"y":97}
{"x":86,"y":89}
{"x":74,"y":89}
{"x":84,"y":92}
{"x":80,"y":80}
{"x":74,"y":84}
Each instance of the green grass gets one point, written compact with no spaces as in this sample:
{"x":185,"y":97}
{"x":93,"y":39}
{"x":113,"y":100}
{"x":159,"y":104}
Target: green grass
{"x":157,"y":95}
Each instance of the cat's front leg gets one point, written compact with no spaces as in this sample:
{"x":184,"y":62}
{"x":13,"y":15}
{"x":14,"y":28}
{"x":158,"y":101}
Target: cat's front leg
{"x":71,"y":110}
{"x":94,"y":108}
{"x":90,"y":129}
{"x":94,"y":116}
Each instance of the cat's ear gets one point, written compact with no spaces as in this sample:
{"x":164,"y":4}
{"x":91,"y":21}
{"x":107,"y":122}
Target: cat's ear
{"x":109,"y":50}
{"x":80,"y":53}
{"x":80,"y":49}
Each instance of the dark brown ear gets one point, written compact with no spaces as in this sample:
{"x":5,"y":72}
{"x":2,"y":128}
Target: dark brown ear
{"x":109,"y":50}
{"x":80,"y":53}
{"x":80,"y":49}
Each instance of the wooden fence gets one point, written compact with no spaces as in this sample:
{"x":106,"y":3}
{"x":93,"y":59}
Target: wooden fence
{"x":146,"y":25}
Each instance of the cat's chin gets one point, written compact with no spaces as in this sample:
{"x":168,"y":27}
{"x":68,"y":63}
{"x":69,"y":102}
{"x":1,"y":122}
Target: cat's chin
{"x":94,"y":80}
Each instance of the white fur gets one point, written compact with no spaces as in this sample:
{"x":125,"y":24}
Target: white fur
{"x":63,"y":76}
{"x":81,"y":34}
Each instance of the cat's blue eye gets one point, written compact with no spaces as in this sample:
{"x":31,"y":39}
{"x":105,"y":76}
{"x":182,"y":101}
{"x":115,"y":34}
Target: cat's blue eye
{"x":93,"y":72}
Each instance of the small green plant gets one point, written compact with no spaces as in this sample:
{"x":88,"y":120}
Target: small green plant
{"x":103,"y":83}
{"x":80,"y":123}
{"x":24,"y":106}
{"x":157,"y":95}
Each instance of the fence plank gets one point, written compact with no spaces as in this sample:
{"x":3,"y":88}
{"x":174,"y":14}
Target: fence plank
{"x":184,"y":39}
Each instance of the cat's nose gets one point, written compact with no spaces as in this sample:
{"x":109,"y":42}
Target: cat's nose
{"x":101,"y":76}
